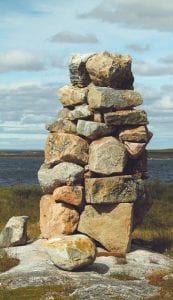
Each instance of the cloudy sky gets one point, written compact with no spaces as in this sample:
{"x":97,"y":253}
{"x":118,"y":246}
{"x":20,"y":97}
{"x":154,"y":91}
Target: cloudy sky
{"x":37,"y":38}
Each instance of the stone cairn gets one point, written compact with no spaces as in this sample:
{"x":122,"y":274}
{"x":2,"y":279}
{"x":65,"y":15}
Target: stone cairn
{"x":95,"y":158}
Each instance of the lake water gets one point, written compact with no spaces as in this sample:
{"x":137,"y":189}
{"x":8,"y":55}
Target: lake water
{"x":23,"y":170}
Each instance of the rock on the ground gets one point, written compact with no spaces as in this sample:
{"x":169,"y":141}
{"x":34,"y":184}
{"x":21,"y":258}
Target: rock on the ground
{"x":107,"y":156}
{"x":62,"y":125}
{"x":134,"y":149}
{"x":114,"y":189}
{"x":69,"y":194}
{"x":108,"y":224}
{"x":114,"y":70}
{"x":61,"y":174}
{"x":104,"y":98}
{"x":126,"y":117}
{"x":66,"y":147}
{"x":15,"y":232}
{"x":134,"y":134}
{"x":77,"y":66}
{"x":71,"y":252}
{"x":93,"y":130}
{"x":79,"y":112}
{"x":70,"y":95}
{"x":56,"y":218}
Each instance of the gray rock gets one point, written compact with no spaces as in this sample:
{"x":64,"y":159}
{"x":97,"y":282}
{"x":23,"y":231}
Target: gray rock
{"x":126,"y":117}
{"x":93,"y":130}
{"x":63,"y":173}
{"x":114,"y":70}
{"x":62,"y":125}
{"x":79,"y":112}
{"x":71,"y":252}
{"x":14,"y":232}
{"x":71,"y":95}
{"x":77,"y":65}
{"x":114,"y":189}
{"x":104,"y":98}
{"x":107,"y":156}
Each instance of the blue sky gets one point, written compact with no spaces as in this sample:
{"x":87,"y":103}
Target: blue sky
{"x":37,"y":38}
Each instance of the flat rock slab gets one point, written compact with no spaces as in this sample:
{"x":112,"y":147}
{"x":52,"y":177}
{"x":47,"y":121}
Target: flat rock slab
{"x":96,"y":219}
{"x":107,"y":69}
{"x":106,"y":98}
{"x":69,"y":194}
{"x":62,"y":125}
{"x":56,"y":218}
{"x":107,"y":156}
{"x":126,"y":117}
{"x":77,"y":66}
{"x":66,"y":147}
{"x":79,"y":112}
{"x":93,"y":130}
{"x":61,"y":174}
{"x":134,"y":134}
{"x":114,"y":189}
{"x":71,"y":95}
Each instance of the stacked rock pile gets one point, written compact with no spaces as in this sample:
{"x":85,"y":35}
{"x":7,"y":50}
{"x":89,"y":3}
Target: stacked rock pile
{"x":95,"y":157}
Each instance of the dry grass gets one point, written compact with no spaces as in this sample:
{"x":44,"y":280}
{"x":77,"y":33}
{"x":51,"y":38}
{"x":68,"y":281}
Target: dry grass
{"x":7,"y":262}
{"x":166,"y":285}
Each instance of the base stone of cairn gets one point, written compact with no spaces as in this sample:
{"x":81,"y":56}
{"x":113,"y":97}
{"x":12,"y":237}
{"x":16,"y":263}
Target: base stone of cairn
{"x":95,"y":158}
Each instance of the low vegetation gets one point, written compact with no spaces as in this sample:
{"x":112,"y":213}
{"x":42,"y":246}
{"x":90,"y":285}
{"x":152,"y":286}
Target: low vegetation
{"x":7,"y":262}
{"x":166,"y":284}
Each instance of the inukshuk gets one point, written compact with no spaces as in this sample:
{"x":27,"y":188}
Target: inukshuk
{"x":95,"y":157}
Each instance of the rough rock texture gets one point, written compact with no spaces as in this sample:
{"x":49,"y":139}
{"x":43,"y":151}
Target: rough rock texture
{"x":134,"y":134}
{"x":98,"y":117}
{"x":79,"y":112}
{"x":66,"y":147}
{"x":71,"y":252}
{"x":62,"y":125}
{"x":112,"y":70}
{"x":96,"y":219}
{"x":137,"y":167}
{"x":114,"y":189}
{"x":69,"y":194}
{"x":126,"y":117}
{"x":70,"y":95}
{"x":61,"y":174}
{"x":103,"y":98}
{"x":56,"y":218}
{"x":77,"y":66}
{"x":107,"y":156}
{"x":134,"y":149}
{"x":93,"y":130}
{"x":15,"y":232}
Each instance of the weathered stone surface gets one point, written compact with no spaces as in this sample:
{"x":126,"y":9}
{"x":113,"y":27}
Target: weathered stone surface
{"x":62,"y":125}
{"x":134,"y":134}
{"x":61,"y":174}
{"x":69,"y":194}
{"x":56,"y":218}
{"x":114,"y":189}
{"x":79,"y":112}
{"x":77,"y":65}
{"x":108,"y":224}
{"x":71,"y":252}
{"x":114,"y":70}
{"x":71,"y":95}
{"x":135,"y":149}
{"x":14,"y":232}
{"x":98,"y":117}
{"x":126,"y":117}
{"x":66,"y":147}
{"x":104,"y":98}
{"x":107,"y":156}
{"x":93,"y":130}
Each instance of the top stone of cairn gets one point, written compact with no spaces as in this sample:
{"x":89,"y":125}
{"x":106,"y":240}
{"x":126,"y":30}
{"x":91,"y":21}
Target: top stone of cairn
{"x":103,"y":69}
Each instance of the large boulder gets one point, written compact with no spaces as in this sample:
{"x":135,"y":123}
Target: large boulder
{"x":56,"y":218}
{"x":109,"y":224}
{"x":61,"y":125}
{"x":104,"y":98}
{"x":114,"y":70}
{"x":126,"y":117}
{"x":69,"y":194}
{"x":93,"y":130}
{"x":114,"y":189}
{"x":107,"y":156}
{"x":71,"y":252}
{"x":14,"y":232}
{"x":71,"y":95}
{"x":66,"y":147}
{"x":61,"y":174}
{"x":79,"y":112}
{"x":77,"y":66}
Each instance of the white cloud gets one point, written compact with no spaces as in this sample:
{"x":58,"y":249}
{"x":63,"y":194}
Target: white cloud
{"x":147,"y":68}
{"x":74,"y":38}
